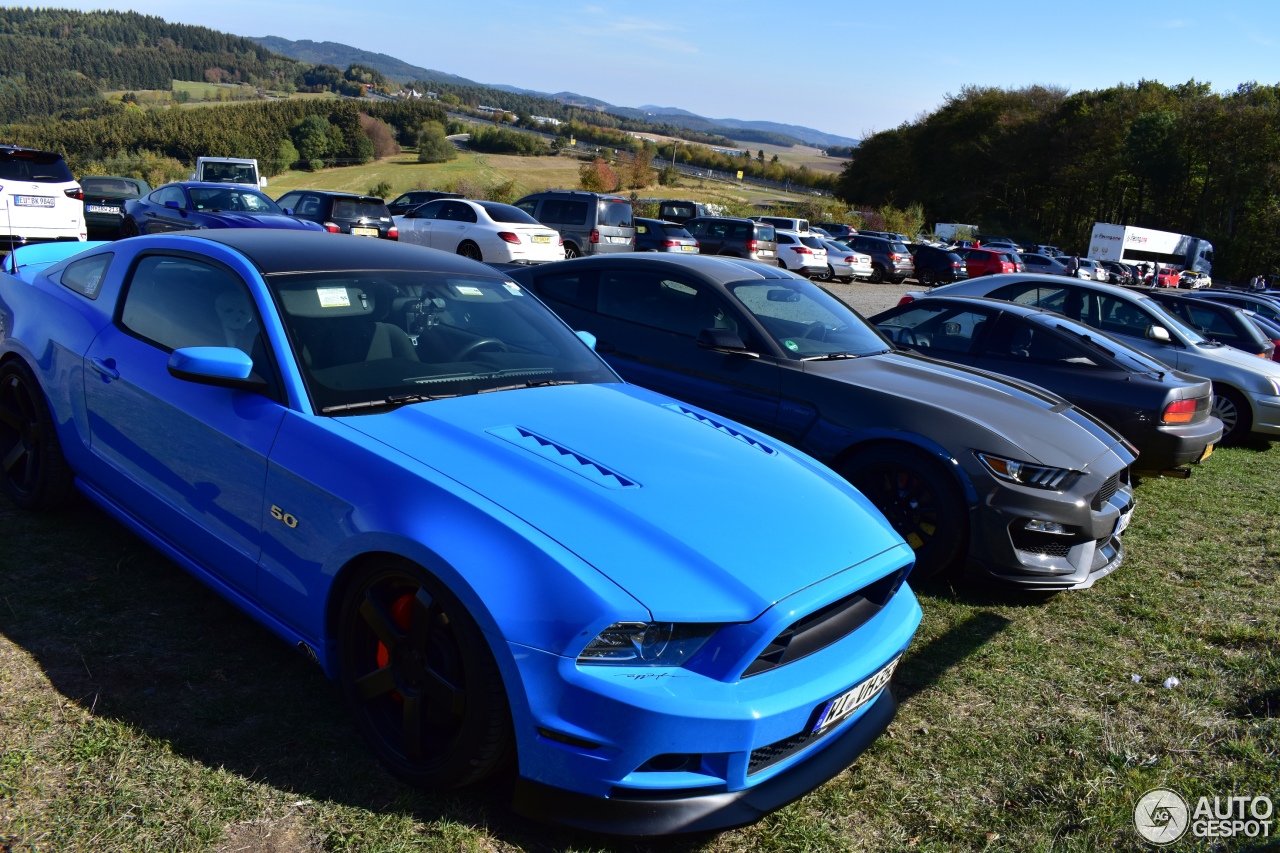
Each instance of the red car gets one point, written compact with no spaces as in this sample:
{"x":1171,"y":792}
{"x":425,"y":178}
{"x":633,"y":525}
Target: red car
{"x":986,"y":262}
{"x":1168,"y":277}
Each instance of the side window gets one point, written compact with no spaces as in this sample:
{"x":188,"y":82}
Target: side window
{"x":577,"y":289}
{"x":1029,"y":293}
{"x":662,"y":302}
{"x":948,"y":329}
{"x":529,"y":206}
{"x":575,"y":213}
{"x":1120,"y":317}
{"x":309,"y":205}
{"x":1016,"y":338}
{"x":697,"y":228}
{"x":459,"y":212}
{"x":641,"y":228}
{"x":1212,"y":323}
{"x":289,"y":200}
{"x":85,"y":277}
{"x":177,"y":302}
{"x":552,"y":211}
{"x":785,"y":239}
{"x":168,"y":194}
{"x":430,"y":210}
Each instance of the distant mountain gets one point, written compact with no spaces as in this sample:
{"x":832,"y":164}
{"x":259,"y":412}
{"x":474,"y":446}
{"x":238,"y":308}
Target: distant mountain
{"x":342,"y":55}
{"x":807,"y":135}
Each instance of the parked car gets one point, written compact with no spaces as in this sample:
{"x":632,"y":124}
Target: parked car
{"x":739,"y":238}
{"x":1194,"y":280}
{"x":406,"y":202}
{"x":104,"y":198}
{"x":589,"y":223}
{"x":1217,"y":321}
{"x":785,"y":223}
{"x":819,"y":232}
{"x":342,"y":213}
{"x":801,"y":253}
{"x":1042,"y":264}
{"x":1270,"y":330}
{"x":968,"y":467}
{"x":413,"y":472}
{"x":191,"y":206}
{"x":1165,"y":277}
{"x":837,"y":230}
{"x":843,"y":263}
{"x":1090,"y":270}
{"x":890,"y":259}
{"x":42,"y":201}
{"x":1161,"y":412}
{"x":1246,"y":389}
{"x":1117,"y":273}
{"x":981,"y":261}
{"x":482,"y":231}
{"x":1267,"y":306}
{"x":934,"y":266}
{"x":674,"y":210}
{"x":654,"y":235}
{"x":888,"y":235}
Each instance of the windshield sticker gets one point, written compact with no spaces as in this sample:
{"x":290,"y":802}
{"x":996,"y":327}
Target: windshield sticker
{"x":791,"y":345}
{"x":468,"y":290}
{"x":333,"y":297}
{"x":512,"y":288}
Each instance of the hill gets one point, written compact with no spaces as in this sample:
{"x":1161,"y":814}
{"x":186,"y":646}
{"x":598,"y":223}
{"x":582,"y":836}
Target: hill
{"x":807,"y":135}
{"x":341,"y":56}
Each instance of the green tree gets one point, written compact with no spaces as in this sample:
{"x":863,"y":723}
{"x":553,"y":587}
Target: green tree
{"x":433,"y":146}
{"x":311,"y":138}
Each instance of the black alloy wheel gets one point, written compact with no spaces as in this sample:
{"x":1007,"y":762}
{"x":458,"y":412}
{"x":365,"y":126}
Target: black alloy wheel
{"x":877,"y":274}
{"x":928,"y":278}
{"x":917,"y":498}
{"x":1230,"y":407}
{"x":420,"y":679}
{"x":33,"y":471}
{"x":469,"y":250}
{"x":129,"y":228}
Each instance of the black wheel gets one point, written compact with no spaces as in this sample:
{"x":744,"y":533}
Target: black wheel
{"x":571,"y":251}
{"x":1230,"y":407}
{"x":877,"y":274}
{"x":129,"y":228}
{"x":34,"y":472}
{"x":420,"y":679}
{"x":928,"y":278}
{"x":826,"y":275}
{"x":469,"y":250}
{"x":782,"y":263}
{"x":922,"y":503}
{"x":477,"y":345}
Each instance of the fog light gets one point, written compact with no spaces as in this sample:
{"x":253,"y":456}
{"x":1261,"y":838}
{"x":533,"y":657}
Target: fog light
{"x":1040,"y":526}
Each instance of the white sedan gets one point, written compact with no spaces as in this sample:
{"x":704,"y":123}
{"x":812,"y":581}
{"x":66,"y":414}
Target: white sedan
{"x":481,"y":230}
{"x":843,"y":263}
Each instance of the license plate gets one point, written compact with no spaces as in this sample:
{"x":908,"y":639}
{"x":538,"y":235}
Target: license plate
{"x":542,"y":238}
{"x":843,"y":706}
{"x":33,"y":201}
{"x":765,"y":253}
{"x":100,"y":208}
{"x":1123,"y":523}
{"x":619,"y":239}
{"x":688,"y":248}
{"x":365,"y":232}
{"x":1208,"y":451}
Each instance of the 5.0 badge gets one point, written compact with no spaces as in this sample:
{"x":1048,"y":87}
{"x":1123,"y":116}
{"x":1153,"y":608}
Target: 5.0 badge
{"x":278,"y":514}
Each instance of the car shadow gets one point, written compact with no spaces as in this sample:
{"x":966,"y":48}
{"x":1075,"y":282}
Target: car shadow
{"x":924,"y":665}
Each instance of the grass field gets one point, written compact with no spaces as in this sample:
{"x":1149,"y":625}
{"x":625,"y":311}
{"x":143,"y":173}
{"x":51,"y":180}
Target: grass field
{"x":798,"y":155}
{"x":140,"y":712}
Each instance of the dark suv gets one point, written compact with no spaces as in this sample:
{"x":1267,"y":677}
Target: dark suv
{"x":342,"y":213}
{"x":406,"y":202}
{"x":673,"y":210}
{"x":890,"y":260}
{"x":936,"y":266}
{"x":739,"y":238}
{"x":589,"y":223}
{"x":838,"y":231}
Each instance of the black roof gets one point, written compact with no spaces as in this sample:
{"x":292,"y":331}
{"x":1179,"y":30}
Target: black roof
{"x":274,"y":251}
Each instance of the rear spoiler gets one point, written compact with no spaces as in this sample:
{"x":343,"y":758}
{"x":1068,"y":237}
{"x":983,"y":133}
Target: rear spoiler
{"x":26,"y":262}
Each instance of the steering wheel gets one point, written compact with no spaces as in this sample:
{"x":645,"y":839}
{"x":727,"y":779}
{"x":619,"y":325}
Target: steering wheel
{"x":816,"y":331}
{"x":478,"y":344}
{"x":906,"y":336}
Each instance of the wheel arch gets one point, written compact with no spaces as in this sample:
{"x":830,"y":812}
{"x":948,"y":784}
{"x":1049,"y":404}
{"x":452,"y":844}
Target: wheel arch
{"x":944,"y":459}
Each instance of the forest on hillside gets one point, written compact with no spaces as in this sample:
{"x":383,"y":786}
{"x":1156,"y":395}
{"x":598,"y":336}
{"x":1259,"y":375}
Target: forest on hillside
{"x":1040,"y":164}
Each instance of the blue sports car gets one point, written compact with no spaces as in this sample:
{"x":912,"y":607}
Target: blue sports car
{"x":195,"y":206}
{"x":408,"y":468}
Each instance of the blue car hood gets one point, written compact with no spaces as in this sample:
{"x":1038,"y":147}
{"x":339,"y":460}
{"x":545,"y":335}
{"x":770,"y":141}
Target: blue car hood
{"x":693,"y":522}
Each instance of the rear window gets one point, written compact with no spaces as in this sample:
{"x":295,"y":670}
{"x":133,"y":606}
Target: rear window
{"x":813,"y":242}
{"x":508,"y":213}
{"x":615,"y":214}
{"x":766,"y":233}
{"x":345,"y":209}
{"x":900,"y":248}
{"x":109,"y":185}
{"x":677,"y":211}
{"x":675,"y":231}
{"x":40,"y":167}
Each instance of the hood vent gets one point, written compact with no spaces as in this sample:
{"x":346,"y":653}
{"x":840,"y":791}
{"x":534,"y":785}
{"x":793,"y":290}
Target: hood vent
{"x":727,"y":430}
{"x":564,"y":457}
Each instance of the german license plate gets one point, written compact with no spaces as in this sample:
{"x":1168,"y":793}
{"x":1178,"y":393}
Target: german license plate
{"x":33,"y":201}
{"x":1208,"y":451}
{"x":365,"y":232}
{"x":100,"y":208}
{"x":542,"y":238}
{"x":765,"y":253}
{"x":1123,"y":522}
{"x":688,"y":248}
{"x":843,"y":706}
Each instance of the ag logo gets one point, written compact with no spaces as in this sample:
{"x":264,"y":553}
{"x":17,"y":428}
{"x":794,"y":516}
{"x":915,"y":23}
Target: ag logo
{"x":280,"y":515}
{"x":1161,"y":816}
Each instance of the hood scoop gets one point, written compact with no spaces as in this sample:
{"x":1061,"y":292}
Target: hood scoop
{"x":714,"y":424}
{"x":564,"y":457}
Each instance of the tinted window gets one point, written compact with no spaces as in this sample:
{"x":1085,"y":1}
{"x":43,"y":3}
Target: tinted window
{"x":932,"y":326}
{"x":178,"y":302}
{"x":167,"y":194}
{"x":813,"y":243}
{"x":785,"y":239}
{"x":766,"y":233}
{"x":658,"y":300}
{"x":114,"y":186}
{"x":529,"y":207}
{"x":615,"y":214}
{"x":576,"y":289}
{"x":456,"y":211}
{"x":41,"y":167}
{"x":345,"y":208}
{"x":85,"y":277}
{"x":245,"y":201}
{"x":431,"y":210}
{"x":507,"y":213}
{"x":805,"y":321}
{"x":306,"y":205}
{"x":697,"y":227}
{"x":900,"y":248}
{"x":1016,"y":338}
{"x":677,"y":211}
{"x":675,"y":231}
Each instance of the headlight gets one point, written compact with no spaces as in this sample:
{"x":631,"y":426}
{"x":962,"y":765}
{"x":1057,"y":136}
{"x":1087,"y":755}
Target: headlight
{"x":1026,"y":474}
{"x":646,"y":644}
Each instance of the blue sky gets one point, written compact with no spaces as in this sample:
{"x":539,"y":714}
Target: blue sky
{"x":847,"y":68}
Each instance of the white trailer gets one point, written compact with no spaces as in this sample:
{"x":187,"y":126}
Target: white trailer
{"x":1131,"y":245}
{"x":948,"y":230}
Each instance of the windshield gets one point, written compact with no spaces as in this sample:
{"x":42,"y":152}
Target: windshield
{"x":807,"y":322}
{"x":510,"y":214}
{"x":229,"y":173}
{"x":368,"y":337}
{"x":244,"y":201}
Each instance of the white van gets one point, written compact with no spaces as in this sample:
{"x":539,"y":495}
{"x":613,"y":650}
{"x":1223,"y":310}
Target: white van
{"x":40,"y":201}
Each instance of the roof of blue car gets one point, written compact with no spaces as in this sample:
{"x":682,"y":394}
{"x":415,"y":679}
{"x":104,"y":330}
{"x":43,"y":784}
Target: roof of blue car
{"x":275,"y":251}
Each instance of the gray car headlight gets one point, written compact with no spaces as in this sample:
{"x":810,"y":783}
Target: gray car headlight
{"x":1027,"y":474}
{"x":646,"y":643}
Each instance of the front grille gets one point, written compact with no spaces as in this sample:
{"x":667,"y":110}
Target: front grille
{"x":1109,"y":488}
{"x":771,"y":754}
{"x":1035,"y":542}
{"x":826,"y":626}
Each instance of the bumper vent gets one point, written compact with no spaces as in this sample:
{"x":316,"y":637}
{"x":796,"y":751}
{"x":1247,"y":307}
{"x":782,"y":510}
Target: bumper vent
{"x":826,"y":626}
{"x":1109,"y":488}
{"x":1034,"y":542}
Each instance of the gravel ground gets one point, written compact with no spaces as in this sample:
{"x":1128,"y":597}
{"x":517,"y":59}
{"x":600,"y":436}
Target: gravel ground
{"x":867,"y":298}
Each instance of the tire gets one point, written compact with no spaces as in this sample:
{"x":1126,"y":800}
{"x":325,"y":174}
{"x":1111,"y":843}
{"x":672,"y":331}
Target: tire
{"x":782,"y":263}
{"x":1230,"y":407}
{"x":826,"y":275}
{"x":404,"y":639}
{"x":918,"y":498}
{"x":470,"y":250}
{"x":129,"y":228}
{"x":571,"y":251}
{"x":928,"y":278}
{"x":33,"y":472}
{"x":877,"y":274}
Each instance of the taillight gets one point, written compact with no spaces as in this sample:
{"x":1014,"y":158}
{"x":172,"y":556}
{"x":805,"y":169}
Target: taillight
{"x":894,"y":256}
{"x":955,"y":265}
{"x":670,"y":243}
{"x":77,"y":194}
{"x":804,"y":250}
{"x":751,"y":245}
{"x":509,"y":237}
{"x":393,"y":233}
{"x":906,"y":300}
{"x":595,"y":235}
{"x":559,"y":241}
{"x":1179,"y":412}
{"x":849,"y":260}
{"x":332,"y":228}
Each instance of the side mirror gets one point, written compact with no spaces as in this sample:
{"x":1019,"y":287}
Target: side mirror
{"x":288,"y":211}
{"x":723,"y":340}
{"x":226,"y":367}
{"x":587,"y":338}
{"x":173,"y":205}
{"x":1159,"y":334}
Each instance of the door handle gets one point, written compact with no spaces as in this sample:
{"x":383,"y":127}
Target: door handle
{"x":106,"y":368}
{"x":605,"y":346}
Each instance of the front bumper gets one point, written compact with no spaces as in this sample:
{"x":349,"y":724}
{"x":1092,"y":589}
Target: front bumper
{"x":1266,"y":414}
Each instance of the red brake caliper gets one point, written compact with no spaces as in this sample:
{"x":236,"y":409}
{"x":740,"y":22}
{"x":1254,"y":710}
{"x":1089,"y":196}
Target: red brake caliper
{"x":401,"y":611}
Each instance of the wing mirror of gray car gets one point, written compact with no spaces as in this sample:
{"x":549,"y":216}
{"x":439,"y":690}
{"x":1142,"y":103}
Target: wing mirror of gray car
{"x":225,"y":367}
{"x":723,"y":340}
{"x":1159,"y":334}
